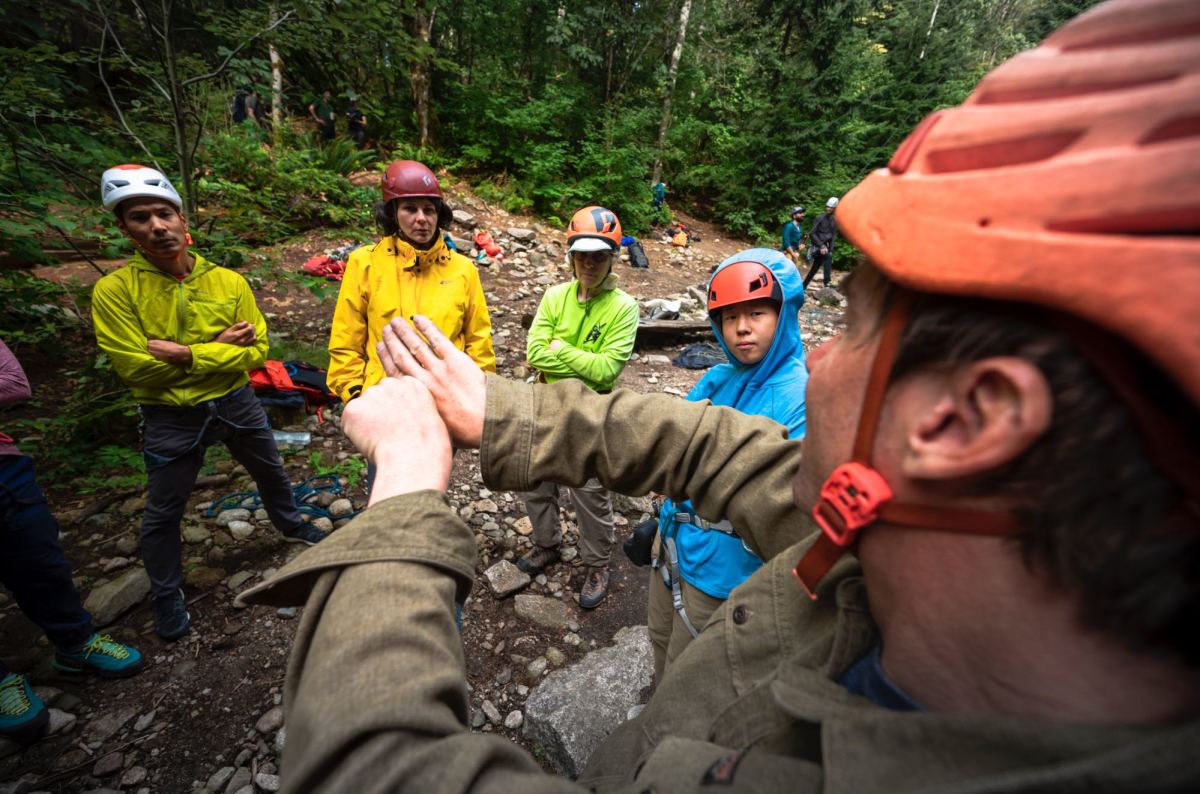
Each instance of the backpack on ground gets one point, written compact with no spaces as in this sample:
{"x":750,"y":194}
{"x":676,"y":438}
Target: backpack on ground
{"x":637,"y":255}
{"x":291,"y":385}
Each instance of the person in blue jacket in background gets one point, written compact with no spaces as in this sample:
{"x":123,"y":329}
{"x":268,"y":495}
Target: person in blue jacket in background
{"x":754,"y":300}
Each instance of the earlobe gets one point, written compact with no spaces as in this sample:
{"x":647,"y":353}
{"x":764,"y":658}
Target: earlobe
{"x":980,"y":417}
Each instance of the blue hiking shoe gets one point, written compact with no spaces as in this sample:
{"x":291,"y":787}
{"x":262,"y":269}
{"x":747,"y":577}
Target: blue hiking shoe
{"x":103,"y":655}
{"x":23,"y":716}
{"x":171,"y":618}
{"x":306,"y":533}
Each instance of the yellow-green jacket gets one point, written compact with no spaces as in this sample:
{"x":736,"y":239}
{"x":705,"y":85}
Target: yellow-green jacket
{"x":139,"y":302}
{"x":393,"y":279}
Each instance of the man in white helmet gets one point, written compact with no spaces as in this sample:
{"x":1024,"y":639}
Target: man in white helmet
{"x":820,"y":242}
{"x":182,"y":332}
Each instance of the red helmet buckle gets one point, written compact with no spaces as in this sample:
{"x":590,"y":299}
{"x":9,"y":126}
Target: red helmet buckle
{"x":850,"y":501}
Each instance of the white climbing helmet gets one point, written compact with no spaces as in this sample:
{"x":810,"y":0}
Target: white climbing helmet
{"x":833,"y":202}
{"x":136,"y":181}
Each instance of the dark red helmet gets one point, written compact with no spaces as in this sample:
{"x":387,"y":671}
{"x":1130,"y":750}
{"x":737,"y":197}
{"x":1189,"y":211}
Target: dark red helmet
{"x":409,"y":179}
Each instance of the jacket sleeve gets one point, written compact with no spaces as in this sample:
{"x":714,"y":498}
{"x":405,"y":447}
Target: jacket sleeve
{"x":477,"y":326}
{"x":348,"y":335}
{"x":537,"y":341}
{"x":14,"y":386}
{"x":731,"y":465}
{"x":119,"y":334}
{"x":210,"y":357}
{"x":604,"y":366}
{"x":380,"y":599}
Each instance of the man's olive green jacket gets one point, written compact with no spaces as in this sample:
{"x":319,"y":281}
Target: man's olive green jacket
{"x":377,"y":701}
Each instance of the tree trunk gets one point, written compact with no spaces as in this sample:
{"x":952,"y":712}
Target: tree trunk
{"x":276,"y":81}
{"x":673,"y":72}
{"x":178,"y":120}
{"x":932,"y":17}
{"x":421,"y":28}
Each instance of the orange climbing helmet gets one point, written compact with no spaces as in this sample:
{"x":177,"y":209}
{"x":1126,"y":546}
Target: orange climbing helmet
{"x":1070,"y":180}
{"x":739,"y":282}
{"x":594,"y":229}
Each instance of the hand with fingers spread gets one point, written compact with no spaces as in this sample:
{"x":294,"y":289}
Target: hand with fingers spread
{"x":457,"y":384}
{"x":396,"y":426}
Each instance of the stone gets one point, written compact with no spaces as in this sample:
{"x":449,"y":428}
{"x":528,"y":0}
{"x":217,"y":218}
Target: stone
{"x":48,"y":694}
{"x":657,"y":359}
{"x":195,"y":534}
{"x":240,"y":578}
{"x":116,"y":564}
{"x":537,"y":667}
{"x":267,"y":782}
{"x":204,"y":577}
{"x":105,"y":726}
{"x":237,"y":514}
{"x":486,"y":506}
{"x":241,"y":779}
{"x":21,"y":785}
{"x":571,"y":711}
{"x":287,"y":612}
{"x":505,"y":578}
{"x":828,"y":295}
{"x":132,"y":776}
{"x":464,"y":218}
{"x":478,"y":719}
{"x":271,"y":721}
{"x":632,"y":504}
{"x":489,"y":709}
{"x":107,"y":601}
{"x":127,"y":545}
{"x":145,"y":721}
{"x":548,"y":612}
{"x":521,"y":235}
{"x":241,"y":530}
{"x":514,"y":719}
{"x":280,"y":740}
{"x":322,"y":523}
{"x":555,"y":656}
{"x":341,"y":507}
{"x":523,"y":525}
{"x":108,"y":764}
{"x":60,"y":722}
{"x":218,"y":780}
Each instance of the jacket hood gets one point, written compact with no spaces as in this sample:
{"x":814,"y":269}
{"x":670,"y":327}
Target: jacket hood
{"x":730,"y":380}
{"x":139,"y":262}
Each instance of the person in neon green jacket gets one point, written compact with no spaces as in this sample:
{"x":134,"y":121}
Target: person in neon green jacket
{"x":583,"y":329}
{"x":181,"y":332}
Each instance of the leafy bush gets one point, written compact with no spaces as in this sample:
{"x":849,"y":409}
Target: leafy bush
{"x":35,"y":311}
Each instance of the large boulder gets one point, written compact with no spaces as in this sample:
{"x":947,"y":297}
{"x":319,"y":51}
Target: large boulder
{"x":107,"y":601}
{"x":573,"y":709}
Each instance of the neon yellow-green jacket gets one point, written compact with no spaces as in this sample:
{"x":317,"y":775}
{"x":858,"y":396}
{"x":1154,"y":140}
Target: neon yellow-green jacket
{"x":393,"y":279}
{"x":139,"y":302}
{"x":597,"y":335}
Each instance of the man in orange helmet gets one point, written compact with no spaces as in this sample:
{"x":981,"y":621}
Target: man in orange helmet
{"x":1007,"y":437}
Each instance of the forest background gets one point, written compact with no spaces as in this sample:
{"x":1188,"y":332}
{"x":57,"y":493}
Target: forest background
{"x":744,"y":107}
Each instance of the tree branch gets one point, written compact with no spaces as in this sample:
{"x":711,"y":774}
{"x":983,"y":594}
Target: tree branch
{"x":201,"y":77}
{"x":111,"y":98}
{"x":121,"y":49}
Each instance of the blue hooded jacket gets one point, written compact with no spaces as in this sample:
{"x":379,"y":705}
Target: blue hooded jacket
{"x":712,"y":561}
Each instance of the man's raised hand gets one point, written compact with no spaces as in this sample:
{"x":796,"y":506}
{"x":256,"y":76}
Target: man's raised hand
{"x":457,"y":384}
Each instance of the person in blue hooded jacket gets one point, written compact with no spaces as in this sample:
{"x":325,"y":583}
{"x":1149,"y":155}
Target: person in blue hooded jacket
{"x":754,"y":299}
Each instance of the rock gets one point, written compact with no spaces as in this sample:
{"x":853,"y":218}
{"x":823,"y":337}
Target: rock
{"x":134,"y":504}
{"x":549,"y":612}
{"x":237,"y":514}
{"x":108,"y":764}
{"x":493,"y":713}
{"x":105,"y":726}
{"x":241,"y":779}
{"x":463,"y":245}
{"x":322,"y":523}
{"x":523,"y":525}
{"x":506,"y":578}
{"x":116,"y":564}
{"x":195,"y":534}
{"x":521,"y":235}
{"x":145,"y":721}
{"x":658,"y":359}
{"x":827,"y":295}
{"x":537,"y":667}
{"x":478,"y":719}
{"x":486,"y":506}
{"x":287,"y":612}
{"x":110,"y":599}
{"x":267,"y":782}
{"x":203,"y":577}
{"x":464,"y":218}
{"x":132,"y":776}
{"x":271,"y":721}
{"x":571,"y":711}
{"x":280,"y":740}
{"x":341,"y":507}
{"x":21,"y":785}
{"x":127,"y":545}
{"x":569,"y":553}
{"x":632,"y":504}
{"x":240,"y":578}
{"x":555,"y":656}
{"x":99,"y":521}
{"x":514,"y":719}
{"x":241,"y":530}
{"x":60,"y":721}
{"x":219,"y":779}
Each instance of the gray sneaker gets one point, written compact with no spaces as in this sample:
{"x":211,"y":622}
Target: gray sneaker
{"x":537,"y":559}
{"x":595,"y":588}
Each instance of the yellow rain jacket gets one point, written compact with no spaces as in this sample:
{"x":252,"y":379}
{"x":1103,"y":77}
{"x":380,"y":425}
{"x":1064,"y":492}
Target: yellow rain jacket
{"x":393,"y":279}
{"x":139,"y":302}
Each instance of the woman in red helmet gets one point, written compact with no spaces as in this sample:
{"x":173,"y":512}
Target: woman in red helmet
{"x":410,"y":271}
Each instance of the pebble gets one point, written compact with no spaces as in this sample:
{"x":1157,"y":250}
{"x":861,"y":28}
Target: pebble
{"x":478,"y":719}
{"x":555,"y":656}
{"x":241,"y":530}
{"x":116,"y":564}
{"x":60,"y":721}
{"x":267,"y":782}
{"x":341,"y":507}
{"x":322,"y":523}
{"x":133,"y":775}
{"x":514,"y":719}
{"x":226,"y":517}
{"x":240,"y":779}
{"x":493,"y":713}
{"x":145,"y":721}
{"x":537,"y":666}
{"x":280,"y":740}
{"x":108,"y":764}
{"x":271,"y":721}
{"x":287,"y":612}
{"x":240,"y":578}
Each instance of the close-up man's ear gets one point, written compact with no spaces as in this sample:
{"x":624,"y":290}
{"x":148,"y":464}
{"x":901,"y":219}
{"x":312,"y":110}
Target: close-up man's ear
{"x":980,"y":417}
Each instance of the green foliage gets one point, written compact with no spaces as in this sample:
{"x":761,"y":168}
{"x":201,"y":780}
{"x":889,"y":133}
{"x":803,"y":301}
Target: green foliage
{"x":35,"y":311}
{"x":352,"y":468}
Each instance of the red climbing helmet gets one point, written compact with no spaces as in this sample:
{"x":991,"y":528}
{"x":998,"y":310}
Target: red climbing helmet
{"x":1066,"y":164}
{"x":410,"y":179}
{"x":743,"y":281}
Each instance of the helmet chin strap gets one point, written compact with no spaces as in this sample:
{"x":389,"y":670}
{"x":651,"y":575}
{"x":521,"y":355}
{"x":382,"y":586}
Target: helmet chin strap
{"x":856,"y":496}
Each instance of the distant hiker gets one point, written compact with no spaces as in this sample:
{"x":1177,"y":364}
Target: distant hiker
{"x":793,"y":235}
{"x":583,"y":330}
{"x":237,"y":107}
{"x":252,"y":107}
{"x":181,"y":332}
{"x":321,"y":111}
{"x":34,"y":570}
{"x":409,"y":271}
{"x":659,"y":191}
{"x":754,"y":299}
{"x":820,"y":242}
{"x":356,"y":121}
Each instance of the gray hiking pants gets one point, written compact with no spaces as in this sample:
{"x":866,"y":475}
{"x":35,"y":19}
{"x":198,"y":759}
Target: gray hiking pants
{"x":593,"y":508}
{"x":174,"y":442}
